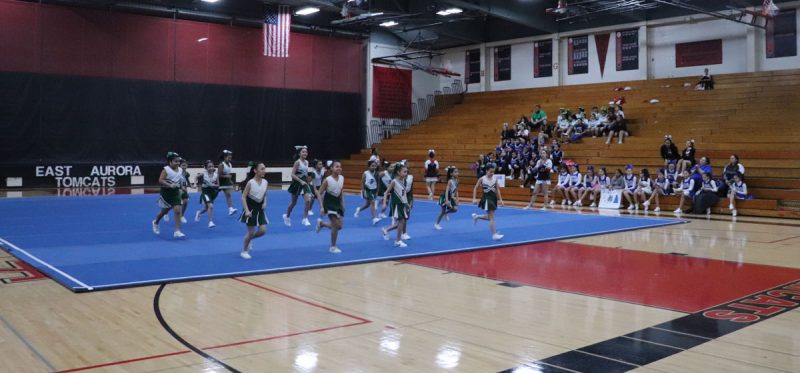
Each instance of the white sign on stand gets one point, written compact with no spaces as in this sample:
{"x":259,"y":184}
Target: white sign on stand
{"x":501,"y":180}
{"x":610,"y":199}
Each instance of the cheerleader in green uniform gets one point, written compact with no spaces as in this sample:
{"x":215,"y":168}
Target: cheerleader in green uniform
{"x":369,"y":191}
{"x":209,"y":182}
{"x":184,"y":191}
{"x":410,"y":197}
{"x":170,"y":181}
{"x":225,"y":170}
{"x":254,"y":201}
{"x":299,"y":186}
{"x":331,"y":201}
{"x":448,"y":199}
{"x":319,"y":174}
{"x":399,"y":204}
{"x":491,"y":195}
{"x":385,"y":180}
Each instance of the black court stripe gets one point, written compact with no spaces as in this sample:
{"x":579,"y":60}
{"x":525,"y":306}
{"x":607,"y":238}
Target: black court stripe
{"x":642,"y":347}
{"x":157,"y":310}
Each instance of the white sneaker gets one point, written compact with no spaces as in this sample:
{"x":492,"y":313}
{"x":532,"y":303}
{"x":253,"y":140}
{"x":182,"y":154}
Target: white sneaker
{"x":657,"y":209}
{"x":156,"y":228}
{"x":544,"y":208}
{"x":310,"y":213}
{"x":619,"y":142}
{"x":678,"y":211}
{"x":178,"y":234}
{"x":319,"y":225}
{"x":385,"y":234}
{"x":578,"y":204}
{"x":197,"y":216}
{"x":646,"y":203}
{"x":382,"y":216}
{"x":708,"y":211}
{"x":437,"y":227}
{"x":474,"y":219}
{"x":497,"y":236}
{"x":183,"y":220}
{"x":211,"y":224}
{"x":528,"y":207}
{"x":334,"y":250}
{"x":400,"y":244}
{"x":730,"y":206}
{"x":305,"y":222}
{"x":636,"y":206}
{"x":375,"y":220}
{"x":552,"y":202}
{"x":630,"y":207}
{"x":355,"y":214}
{"x":734,"y":212}
{"x":405,"y":236}
{"x":245,"y":255}
{"x":287,"y":220}
{"x":563,"y":202}
{"x":231,"y":211}
{"x":646,"y":207}
{"x":166,"y":218}
{"x":593,"y":204}
{"x":447,"y":217}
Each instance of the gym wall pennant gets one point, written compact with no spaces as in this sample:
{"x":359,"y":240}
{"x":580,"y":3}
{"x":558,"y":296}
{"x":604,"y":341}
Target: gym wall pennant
{"x":601,"y":44}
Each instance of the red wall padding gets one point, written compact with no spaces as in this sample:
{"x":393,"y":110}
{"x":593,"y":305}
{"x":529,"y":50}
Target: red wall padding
{"x":73,"y":41}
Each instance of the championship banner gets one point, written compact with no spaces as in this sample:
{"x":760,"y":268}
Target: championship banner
{"x":543,"y":58}
{"x":391,"y":92}
{"x":781,"y":35}
{"x":502,"y":63}
{"x":578,"y":55}
{"x":699,"y":53}
{"x":628,"y":50}
{"x":472,"y":66}
{"x":601,"y":44}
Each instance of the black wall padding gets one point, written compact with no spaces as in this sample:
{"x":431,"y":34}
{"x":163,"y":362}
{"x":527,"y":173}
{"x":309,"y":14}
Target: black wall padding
{"x":68,"y":119}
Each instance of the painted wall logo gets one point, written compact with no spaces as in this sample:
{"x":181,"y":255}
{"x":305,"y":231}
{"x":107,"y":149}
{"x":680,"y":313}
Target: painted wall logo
{"x":69,"y":176}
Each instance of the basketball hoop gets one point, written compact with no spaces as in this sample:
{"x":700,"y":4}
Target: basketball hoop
{"x":769,"y":9}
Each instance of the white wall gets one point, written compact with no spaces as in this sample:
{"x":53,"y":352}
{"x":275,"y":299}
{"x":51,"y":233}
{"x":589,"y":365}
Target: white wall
{"x":662,"y":42}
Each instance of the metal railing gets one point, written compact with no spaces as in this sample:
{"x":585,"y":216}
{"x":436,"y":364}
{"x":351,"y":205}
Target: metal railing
{"x":384,"y":128}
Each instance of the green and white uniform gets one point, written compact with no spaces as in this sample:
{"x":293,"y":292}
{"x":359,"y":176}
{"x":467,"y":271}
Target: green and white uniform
{"x":318,"y":174}
{"x":255,"y":203}
{"x":184,"y":185}
{"x":298,"y":188}
{"x":450,"y":194}
{"x":489,"y":199}
{"x":225,"y":182}
{"x":171,"y":197}
{"x":399,"y":204}
{"x":386,"y":179}
{"x":210,"y":187}
{"x":409,"y":193}
{"x":369,"y":190}
{"x":332,"y":201}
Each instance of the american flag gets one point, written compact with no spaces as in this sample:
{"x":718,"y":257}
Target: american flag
{"x":276,"y":32}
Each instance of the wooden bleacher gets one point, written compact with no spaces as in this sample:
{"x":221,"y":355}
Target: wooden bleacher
{"x":749,"y":114}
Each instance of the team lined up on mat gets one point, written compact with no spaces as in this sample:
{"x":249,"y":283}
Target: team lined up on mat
{"x":392,"y":189}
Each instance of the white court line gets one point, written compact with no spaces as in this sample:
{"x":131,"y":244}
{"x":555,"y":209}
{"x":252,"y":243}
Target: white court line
{"x":54,"y":269}
{"x":374,"y":259}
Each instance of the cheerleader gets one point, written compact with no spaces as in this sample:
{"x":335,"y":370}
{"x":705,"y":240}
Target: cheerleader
{"x":543,"y":168}
{"x":707,"y":188}
{"x":630,"y":187}
{"x":170,"y":181}
{"x":589,"y":189}
{"x":299,"y":186}
{"x":574,"y":185}
{"x":431,"y":173}
{"x":319,"y":174}
{"x":386,"y":179}
{"x":491,"y":196}
{"x":409,"y":197}
{"x":603,"y":182}
{"x":209,"y":181}
{"x":449,"y":199}
{"x":561,"y":186}
{"x":663,"y":187}
{"x":557,"y":155}
{"x":331,"y":202}
{"x":226,"y":178}
{"x":184,"y":191}
{"x":686,"y":189}
{"x":254,"y":202}
{"x":738,"y":190}
{"x":687,"y":160}
{"x":644,"y":190}
{"x":672,"y":174}
{"x":399,"y":205}
{"x":369,"y":191}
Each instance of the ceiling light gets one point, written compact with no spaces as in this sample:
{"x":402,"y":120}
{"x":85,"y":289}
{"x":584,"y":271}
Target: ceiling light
{"x":306,"y":11}
{"x":389,"y":24}
{"x":210,"y":1}
{"x":448,"y":12}
{"x":201,"y":40}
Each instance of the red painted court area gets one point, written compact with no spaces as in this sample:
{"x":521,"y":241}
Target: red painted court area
{"x":661,"y":280}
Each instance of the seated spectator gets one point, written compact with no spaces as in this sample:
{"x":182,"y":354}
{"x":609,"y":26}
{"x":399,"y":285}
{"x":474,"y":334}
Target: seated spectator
{"x":562,"y":186}
{"x":556,"y":154}
{"x":707,"y":196}
{"x":731,"y":169}
{"x":686,"y":190}
{"x":738,"y":190}
{"x":618,"y":180}
{"x":687,"y":160}
{"x":480,"y":166}
{"x":663,"y":187}
{"x":564,"y":124}
{"x":672,"y":174}
{"x":595,"y":122}
{"x":617,"y":126}
{"x":702,"y":167}
{"x":706,"y":82}
{"x":507,"y":133}
{"x":669,"y":152}
{"x":522,"y":121}
{"x":538,"y":119}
